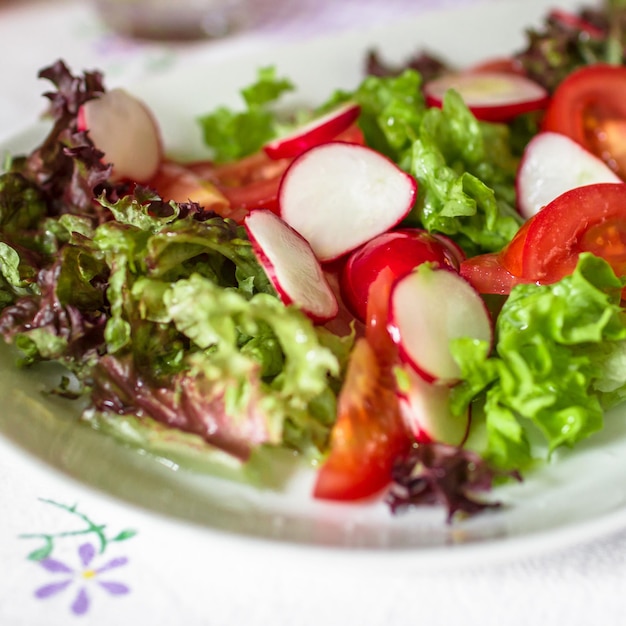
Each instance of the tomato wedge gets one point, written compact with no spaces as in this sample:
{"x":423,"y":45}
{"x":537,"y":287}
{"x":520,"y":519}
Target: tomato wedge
{"x":369,"y":434}
{"x":585,"y":219}
{"x":511,"y":257}
{"x":590,"y":107}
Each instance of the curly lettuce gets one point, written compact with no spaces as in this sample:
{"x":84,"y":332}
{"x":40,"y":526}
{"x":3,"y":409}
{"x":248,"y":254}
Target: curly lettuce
{"x":557,"y":365}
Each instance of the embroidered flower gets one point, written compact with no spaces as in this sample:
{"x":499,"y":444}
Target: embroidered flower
{"x":85,"y":578}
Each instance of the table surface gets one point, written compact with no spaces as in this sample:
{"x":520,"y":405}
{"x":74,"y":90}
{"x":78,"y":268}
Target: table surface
{"x":159,"y":571}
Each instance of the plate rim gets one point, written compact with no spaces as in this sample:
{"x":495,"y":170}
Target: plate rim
{"x":497,"y":549}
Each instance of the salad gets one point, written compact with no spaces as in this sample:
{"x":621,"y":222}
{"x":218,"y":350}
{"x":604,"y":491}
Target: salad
{"x":415,"y":287}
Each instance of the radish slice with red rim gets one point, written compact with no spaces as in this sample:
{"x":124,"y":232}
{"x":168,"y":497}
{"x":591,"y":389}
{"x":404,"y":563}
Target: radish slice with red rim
{"x":318,"y":131}
{"x":428,"y":309}
{"x":425,"y":409}
{"x":553,"y":164}
{"x":340,"y":195}
{"x":124,"y":129}
{"x":291,"y":265}
{"x":490,"y":96}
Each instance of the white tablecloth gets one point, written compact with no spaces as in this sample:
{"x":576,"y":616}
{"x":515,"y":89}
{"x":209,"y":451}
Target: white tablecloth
{"x":69,"y":554}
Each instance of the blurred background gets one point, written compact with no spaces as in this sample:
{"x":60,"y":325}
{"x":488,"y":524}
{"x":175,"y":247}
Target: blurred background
{"x":129,"y":39}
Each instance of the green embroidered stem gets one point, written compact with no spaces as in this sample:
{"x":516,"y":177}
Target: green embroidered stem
{"x":91,"y":528}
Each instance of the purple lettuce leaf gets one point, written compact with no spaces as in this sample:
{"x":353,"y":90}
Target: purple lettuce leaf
{"x":439,"y":474}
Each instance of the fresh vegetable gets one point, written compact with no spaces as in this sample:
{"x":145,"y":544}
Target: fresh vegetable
{"x":589,"y":107}
{"x":488,"y":274}
{"x":553,"y":163}
{"x":236,"y":134}
{"x":585,"y":219}
{"x":327,"y":189}
{"x":123,"y":128}
{"x":291,"y":265}
{"x":426,"y":409}
{"x":370,"y":434}
{"x":429,"y":308}
{"x":401,"y":250}
{"x":576,"y":23}
{"x":320,"y":130}
{"x":568,"y":41}
{"x":439,"y":474}
{"x":490,"y":96}
{"x":546,"y":249}
{"x":554,"y":370}
{"x":179,"y":183}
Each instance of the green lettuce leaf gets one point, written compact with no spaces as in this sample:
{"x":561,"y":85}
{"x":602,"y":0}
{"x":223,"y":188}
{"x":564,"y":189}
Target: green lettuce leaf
{"x":466,"y":176}
{"x":264,"y":350}
{"x":235,"y":134}
{"x":392,"y":109}
{"x":545,"y":384}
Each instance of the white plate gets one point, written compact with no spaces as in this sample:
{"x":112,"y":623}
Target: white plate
{"x":579,"y":496}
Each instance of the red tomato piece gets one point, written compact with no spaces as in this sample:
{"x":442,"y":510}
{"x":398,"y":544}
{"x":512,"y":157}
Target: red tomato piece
{"x":590,"y":107}
{"x":487,"y":274}
{"x":591,"y":218}
{"x":352,"y":134}
{"x":511,"y":257}
{"x":260,"y":194}
{"x":585,"y":219}
{"x":174,"y":181}
{"x":369,"y":434}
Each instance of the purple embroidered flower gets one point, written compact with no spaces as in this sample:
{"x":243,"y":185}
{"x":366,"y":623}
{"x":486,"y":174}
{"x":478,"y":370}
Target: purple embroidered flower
{"x":85,"y":577}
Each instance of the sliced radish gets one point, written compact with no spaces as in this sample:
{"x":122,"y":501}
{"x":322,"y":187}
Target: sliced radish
{"x":318,"y":131}
{"x":340,"y":195}
{"x":291,"y":265}
{"x":428,"y":308}
{"x":491,"y":96}
{"x":401,"y":251}
{"x":425,"y":408}
{"x":124,"y":129}
{"x":553,"y":164}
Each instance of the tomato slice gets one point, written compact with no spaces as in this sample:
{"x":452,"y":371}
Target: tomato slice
{"x":591,"y":218}
{"x":369,"y":434}
{"x":590,"y":107}
{"x":352,"y":134}
{"x":585,"y":219}
{"x":260,"y":194}
{"x":511,"y":257}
